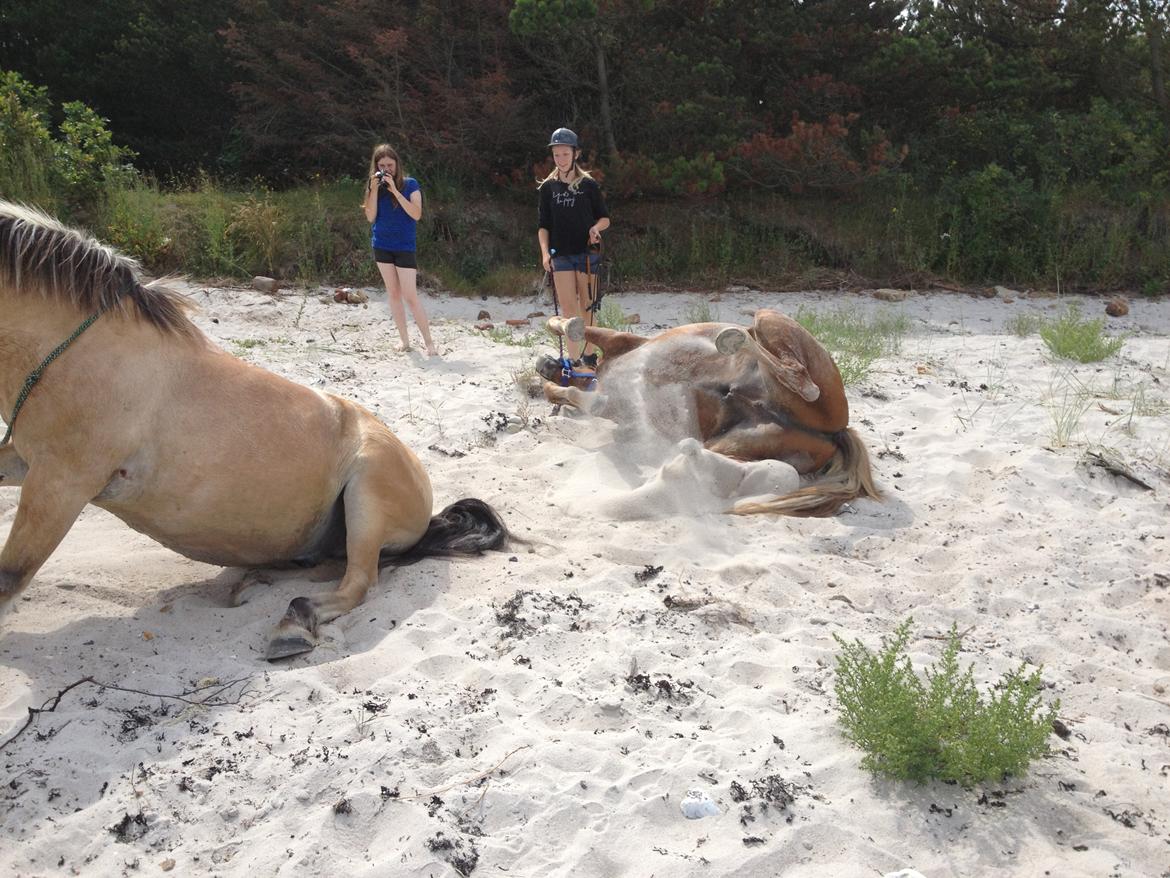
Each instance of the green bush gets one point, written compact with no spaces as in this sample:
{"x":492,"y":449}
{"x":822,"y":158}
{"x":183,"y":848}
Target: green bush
{"x":996,"y":224}
{"x":74,"y":173}
{"x":855,"y":342}
{"x":26,"y":147}
{"x":942,"y":728}
{"x":1073,"y":337}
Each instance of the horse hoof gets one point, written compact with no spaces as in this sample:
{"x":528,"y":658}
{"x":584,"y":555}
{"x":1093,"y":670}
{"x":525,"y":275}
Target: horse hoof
{"x":288,"y":642}
{"x":548,"y":368}
{"x":730,"y":340}
{"x":572,"y":328}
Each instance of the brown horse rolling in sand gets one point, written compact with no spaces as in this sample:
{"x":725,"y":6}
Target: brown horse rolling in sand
{"x":768,"y":391}
{"x":216,"y":459}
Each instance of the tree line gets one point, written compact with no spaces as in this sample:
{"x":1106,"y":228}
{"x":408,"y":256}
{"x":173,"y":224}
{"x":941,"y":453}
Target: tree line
{"x":1004,"y":106}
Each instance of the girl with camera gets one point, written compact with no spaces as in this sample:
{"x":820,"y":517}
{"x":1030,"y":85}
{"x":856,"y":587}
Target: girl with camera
{"x":572,"y":218}
{"x":393,"y":205}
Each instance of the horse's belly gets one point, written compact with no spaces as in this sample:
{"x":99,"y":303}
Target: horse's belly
{"x":232,"y":523}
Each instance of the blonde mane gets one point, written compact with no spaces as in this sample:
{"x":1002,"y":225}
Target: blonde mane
{"x":39,"y":255}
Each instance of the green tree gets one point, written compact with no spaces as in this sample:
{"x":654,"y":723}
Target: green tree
{"x":155,"y":68}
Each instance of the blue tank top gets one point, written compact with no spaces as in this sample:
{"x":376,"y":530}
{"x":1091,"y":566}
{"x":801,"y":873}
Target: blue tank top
{"x":393,"y":229}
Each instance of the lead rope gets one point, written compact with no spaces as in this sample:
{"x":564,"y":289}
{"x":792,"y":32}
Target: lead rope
{"x":35,"y":375}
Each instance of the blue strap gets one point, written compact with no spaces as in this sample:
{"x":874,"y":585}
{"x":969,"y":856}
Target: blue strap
{"x":568,"y":373}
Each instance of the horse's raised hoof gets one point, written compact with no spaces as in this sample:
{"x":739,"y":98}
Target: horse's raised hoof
{"x":296,"y":633}
{"x":572,"y":328}
{"x":730,"y":340}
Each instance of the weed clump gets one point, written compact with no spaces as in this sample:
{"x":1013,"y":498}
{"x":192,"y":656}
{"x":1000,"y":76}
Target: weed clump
{"x":1073,"y":337}
{"x":940,"y":728}
{"x":855,"y":341}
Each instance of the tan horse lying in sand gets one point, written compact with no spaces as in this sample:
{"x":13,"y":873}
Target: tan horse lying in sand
{"x":765,"y":392}
{"x":216,"y":459}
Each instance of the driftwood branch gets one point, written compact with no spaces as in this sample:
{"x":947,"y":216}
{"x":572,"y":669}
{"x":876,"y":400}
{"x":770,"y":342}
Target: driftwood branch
{"x":214,"y":699}
{"x":1116,"y":467}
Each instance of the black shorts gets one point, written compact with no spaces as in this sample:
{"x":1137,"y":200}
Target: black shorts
{"x":401,"y":258}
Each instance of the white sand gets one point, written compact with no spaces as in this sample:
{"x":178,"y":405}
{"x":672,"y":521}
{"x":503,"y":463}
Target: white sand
{"x":602,"y":698}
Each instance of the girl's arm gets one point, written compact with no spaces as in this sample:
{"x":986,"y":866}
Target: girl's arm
{"x":545,"y":255}
{"x":413,"y":207}
{"x":370,"y":205}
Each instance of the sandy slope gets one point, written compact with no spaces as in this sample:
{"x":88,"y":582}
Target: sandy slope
{"x":601,"y":687}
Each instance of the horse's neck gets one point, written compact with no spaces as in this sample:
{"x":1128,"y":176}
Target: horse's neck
{"x":32,"y":327}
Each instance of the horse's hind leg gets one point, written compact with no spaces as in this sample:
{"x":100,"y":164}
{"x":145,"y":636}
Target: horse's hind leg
{"x":385,"y":508}
{"x":13,"y":469}
{"x":48,"y":507}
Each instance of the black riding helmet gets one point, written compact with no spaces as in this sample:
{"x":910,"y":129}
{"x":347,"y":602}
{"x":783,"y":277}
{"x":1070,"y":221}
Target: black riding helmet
{"x":563,"y":137}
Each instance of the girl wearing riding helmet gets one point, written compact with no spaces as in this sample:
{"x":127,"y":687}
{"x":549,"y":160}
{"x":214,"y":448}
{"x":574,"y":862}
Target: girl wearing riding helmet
{"x":572,"y":217}
{"x":393,"y":204}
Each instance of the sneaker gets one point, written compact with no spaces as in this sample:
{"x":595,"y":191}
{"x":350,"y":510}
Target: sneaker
{"x":589,"y":360}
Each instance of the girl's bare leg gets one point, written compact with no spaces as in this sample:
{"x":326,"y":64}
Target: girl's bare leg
{"x":586,"y":289}
{"x":408,"y":283}
{"x":570,"y":304}
{"x":394,"y":292}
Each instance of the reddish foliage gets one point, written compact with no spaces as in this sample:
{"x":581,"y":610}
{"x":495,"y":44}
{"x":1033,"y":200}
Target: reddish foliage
{"x":815,"y":155}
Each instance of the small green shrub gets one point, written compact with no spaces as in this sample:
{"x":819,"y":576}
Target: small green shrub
{"x":701,"y":311}
{"x":1073,"y":337}
{"x":941,"y":728}
{"x":610,"y":315}
{"x":1023,"y":325}
{"x":132,"y":222}
{"x":531,"y":339}
{"x":854,"y":341}
{"x":255,"y":227}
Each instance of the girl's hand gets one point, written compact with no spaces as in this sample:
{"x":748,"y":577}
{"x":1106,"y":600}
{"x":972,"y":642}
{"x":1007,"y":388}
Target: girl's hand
{"x":546,"y":261}
{"x":595,"y":235}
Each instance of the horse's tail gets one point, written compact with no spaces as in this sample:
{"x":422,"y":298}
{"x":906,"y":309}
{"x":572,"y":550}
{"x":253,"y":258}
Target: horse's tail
{"x":466,"y":527}
{"x":847,"y":477}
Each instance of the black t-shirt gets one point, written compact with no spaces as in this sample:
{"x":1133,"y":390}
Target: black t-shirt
{"x":569,"y":214}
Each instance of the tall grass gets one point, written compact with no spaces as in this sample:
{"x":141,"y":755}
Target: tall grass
{"x":473,"y":244}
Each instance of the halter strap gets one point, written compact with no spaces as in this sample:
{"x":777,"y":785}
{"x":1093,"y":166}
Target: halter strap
{"x":35,"y":375}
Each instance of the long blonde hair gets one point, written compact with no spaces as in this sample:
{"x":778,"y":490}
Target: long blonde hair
{"x":582,"y":174}
{"x":383,"y":151}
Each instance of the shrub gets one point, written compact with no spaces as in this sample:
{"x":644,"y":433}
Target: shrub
{"x":995,"y":225}
{"x":255,"y":227}
{"x":854,"y":341}
{"x":86,"y":158}
{"x":941,"y":728}
{"x":26,"y":148}
{"x":1073,"y":337}
{"x":611,"y":316}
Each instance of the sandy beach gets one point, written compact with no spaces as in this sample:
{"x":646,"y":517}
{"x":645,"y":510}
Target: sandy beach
{"x":544,"y":711}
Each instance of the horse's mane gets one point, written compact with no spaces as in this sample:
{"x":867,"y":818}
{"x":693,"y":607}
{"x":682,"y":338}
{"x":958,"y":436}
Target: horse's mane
{"x":38,"y":254}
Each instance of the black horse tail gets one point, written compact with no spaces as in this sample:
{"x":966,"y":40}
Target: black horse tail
{"x":466,"y":527}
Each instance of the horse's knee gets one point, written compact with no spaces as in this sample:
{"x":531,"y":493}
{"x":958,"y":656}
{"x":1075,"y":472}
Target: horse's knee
{"x":13,"y":469}
{"x":11,"y":584}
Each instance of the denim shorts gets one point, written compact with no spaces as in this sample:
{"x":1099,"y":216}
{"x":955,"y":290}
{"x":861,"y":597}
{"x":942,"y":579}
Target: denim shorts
{"x":576,"y":262}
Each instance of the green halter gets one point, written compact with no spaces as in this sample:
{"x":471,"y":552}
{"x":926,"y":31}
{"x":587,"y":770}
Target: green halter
{"x":35,"y":375}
